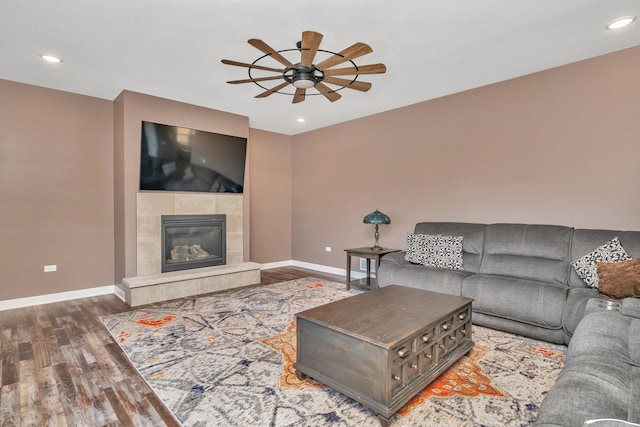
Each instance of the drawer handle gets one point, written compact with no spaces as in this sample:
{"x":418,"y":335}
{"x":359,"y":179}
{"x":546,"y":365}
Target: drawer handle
{"x":426,"y":337}
{"x":464,"y":331}
{"x":441,"y":345}
{"x":414,"y":366}
{"x":403,"y":352}
{"x":396,"y":378}
{"x":452,"y":337}
{"x":461,"y":316}
{"x":445,"y":326}
{"x":428,"y":356}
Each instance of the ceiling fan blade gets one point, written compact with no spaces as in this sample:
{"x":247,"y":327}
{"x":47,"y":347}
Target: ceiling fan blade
{"x":259,"y":79}
{"x":362,"y":69}
{"x":310,"y":44}
{"x":327,"y":92}
{"x":354,"y":51}
{"x":357,"y":85}
{"x":299,"y":96}
{"x":272,"y":90}
{"x":257,"y":67}
{"x":260,"y":45}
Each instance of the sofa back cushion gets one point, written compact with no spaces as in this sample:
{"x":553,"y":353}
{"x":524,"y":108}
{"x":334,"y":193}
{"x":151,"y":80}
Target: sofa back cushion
{"x":537,"y":252}
{"x":586,"y":240}
{"x":472,"y":242}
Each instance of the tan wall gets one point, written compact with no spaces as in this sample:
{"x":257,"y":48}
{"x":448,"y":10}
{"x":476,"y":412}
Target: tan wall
{"x":131,"y":109}
{"x":270,"y":160}
{"x":56,"y":191}
{"x":557,"y":147}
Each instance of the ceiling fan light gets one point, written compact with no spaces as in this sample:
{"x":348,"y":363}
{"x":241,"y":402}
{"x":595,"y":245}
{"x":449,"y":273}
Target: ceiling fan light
{"x":303,"y":80}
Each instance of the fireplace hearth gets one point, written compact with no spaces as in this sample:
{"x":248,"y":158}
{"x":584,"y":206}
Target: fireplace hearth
{"x":193,"y":241}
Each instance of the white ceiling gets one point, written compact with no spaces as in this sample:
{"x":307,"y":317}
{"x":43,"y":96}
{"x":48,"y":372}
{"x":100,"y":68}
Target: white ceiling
{"x":172,"y":48}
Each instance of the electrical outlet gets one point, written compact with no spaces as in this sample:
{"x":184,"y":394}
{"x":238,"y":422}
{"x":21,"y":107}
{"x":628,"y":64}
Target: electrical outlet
{"x":327,"y":248}
{"x":50,"y":268}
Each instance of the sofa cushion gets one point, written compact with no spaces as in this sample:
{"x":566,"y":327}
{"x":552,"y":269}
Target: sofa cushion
{"x":537,"y":252}
{"x":606,"y":333}
{"x":609,"y":422}
{"x":574,"y":308}
{"x":620,"y":279}
{"x":586,"y":266}
{"x":473,"y":239}
{"x":395,"y":271}
{"x":591,"y":387}
{"x":523,"y":300}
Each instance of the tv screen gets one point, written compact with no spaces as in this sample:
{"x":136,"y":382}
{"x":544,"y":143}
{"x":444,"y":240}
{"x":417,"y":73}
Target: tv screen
{"x":179,"y":159}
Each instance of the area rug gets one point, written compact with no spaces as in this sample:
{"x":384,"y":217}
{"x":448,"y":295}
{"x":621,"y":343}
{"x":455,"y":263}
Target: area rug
{"x":226,"y":360}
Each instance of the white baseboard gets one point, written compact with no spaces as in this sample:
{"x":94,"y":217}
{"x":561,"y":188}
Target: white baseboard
{"x":119,"y":293}
{"x":111,"y":289}
{"x":329,"y":270}
{"x":277,"y":264}
{"x":57,"y":297}
{"x":315,"y":267}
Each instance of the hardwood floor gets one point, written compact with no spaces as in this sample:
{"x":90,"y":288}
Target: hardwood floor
{"x":60,"y":366}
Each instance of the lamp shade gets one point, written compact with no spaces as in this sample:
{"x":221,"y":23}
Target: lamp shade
{"x":376,"y":217}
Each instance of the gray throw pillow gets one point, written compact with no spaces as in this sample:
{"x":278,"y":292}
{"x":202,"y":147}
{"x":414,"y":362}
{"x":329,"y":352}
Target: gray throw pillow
{"x":586,"y":266}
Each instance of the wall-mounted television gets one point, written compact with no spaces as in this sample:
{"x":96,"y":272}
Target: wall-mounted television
{"x":175,"y":158}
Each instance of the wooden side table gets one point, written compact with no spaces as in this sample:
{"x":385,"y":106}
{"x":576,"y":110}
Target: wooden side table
{"x":370,"y":254}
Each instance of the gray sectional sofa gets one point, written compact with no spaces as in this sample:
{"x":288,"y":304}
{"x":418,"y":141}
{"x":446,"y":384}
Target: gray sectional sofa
{"x":521,"y":280}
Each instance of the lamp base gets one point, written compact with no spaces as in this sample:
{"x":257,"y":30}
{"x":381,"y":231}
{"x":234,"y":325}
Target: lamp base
{"x":376,"y":246}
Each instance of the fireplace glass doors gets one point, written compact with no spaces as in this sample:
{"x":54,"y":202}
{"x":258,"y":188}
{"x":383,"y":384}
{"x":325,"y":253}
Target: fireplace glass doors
{"x":193,"y":241}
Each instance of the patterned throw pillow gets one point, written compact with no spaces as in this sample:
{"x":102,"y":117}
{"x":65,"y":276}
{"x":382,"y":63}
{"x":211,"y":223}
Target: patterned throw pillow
{"x":445,"y":252}
{"x":417,"y":248}
{"x":586,"y":266}
{"x":435,"y":250}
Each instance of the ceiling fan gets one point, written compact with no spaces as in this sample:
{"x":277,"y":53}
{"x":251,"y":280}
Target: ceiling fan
{"x":305,"y":74}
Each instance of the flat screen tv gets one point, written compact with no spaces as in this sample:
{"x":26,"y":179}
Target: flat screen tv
{"x":174,"y":158}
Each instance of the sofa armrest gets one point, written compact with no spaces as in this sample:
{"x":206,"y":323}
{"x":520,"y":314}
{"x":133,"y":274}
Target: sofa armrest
{"x":395,"y":258}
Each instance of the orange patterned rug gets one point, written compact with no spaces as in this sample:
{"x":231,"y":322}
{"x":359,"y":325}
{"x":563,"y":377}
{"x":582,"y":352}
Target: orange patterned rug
{"x":227,"y":359}
{"x":464,"y":378}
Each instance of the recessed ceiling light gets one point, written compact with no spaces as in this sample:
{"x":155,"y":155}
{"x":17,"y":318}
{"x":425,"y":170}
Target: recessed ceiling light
{"x":620,"y":23}
{"x":51,"y":58}
{"x":301,"y":120}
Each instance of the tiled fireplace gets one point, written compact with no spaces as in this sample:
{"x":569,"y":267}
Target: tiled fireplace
{"x":152,"y":206}
{"x":152,"y":284}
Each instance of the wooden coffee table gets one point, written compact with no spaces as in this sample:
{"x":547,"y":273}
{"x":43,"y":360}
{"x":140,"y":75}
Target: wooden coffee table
{"x":384,"y":346}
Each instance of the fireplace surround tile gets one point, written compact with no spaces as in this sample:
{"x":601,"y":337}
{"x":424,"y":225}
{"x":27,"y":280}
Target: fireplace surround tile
{"x":198,"y":204}
{"x":150,"y":207}
{"x":146,"y":289}
{"x":155,"y":204}
{"x":146,"y":267}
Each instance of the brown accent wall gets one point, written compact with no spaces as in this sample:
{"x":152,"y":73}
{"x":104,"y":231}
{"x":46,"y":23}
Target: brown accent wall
{"x":558,"y":147}
{"x":270,"y":160}
{"x":131,"y":109}
{"x":56,"y":191}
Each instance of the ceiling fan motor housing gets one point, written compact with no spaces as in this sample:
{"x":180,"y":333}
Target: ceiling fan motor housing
{"x":303,"y":77}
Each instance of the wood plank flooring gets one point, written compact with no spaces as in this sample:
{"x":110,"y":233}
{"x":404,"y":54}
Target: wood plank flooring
{"x":60,"y":366}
